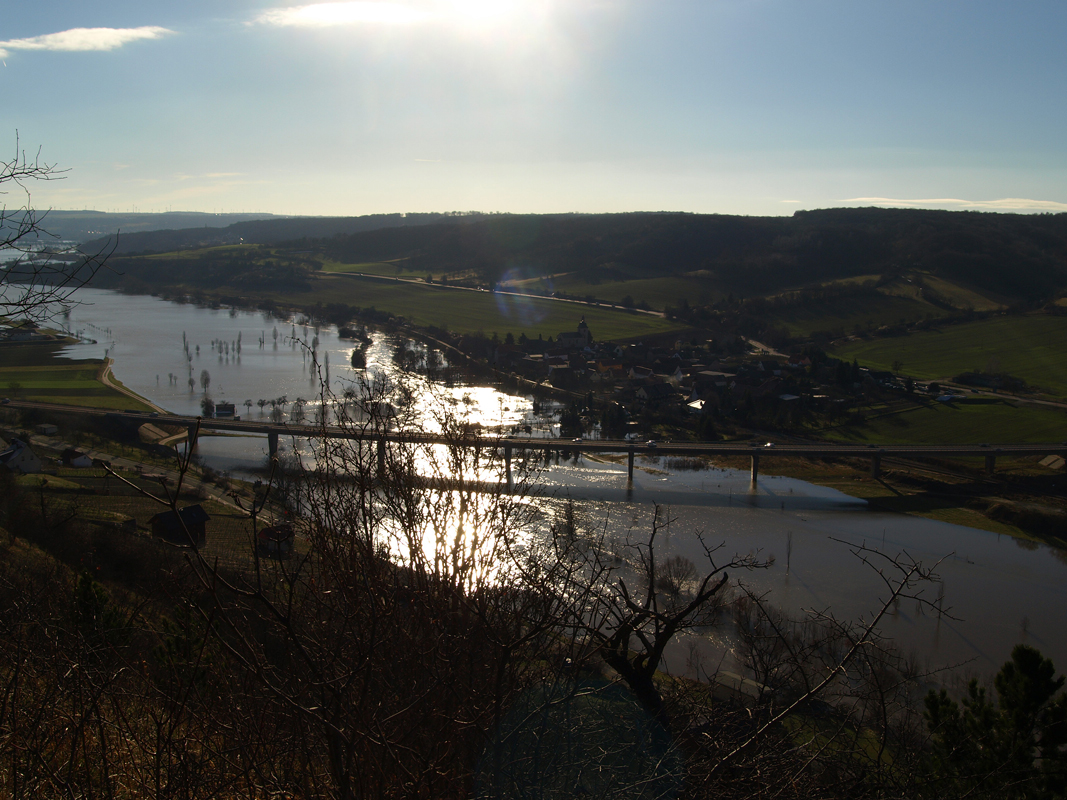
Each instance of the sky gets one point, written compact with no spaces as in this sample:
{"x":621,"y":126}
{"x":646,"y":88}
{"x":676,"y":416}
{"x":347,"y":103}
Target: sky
{"x":709,"y":106}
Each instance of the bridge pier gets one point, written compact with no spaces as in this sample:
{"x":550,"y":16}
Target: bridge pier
{"x":272,"y":444}
{"x":990,"y":464}
{"x":755,"y":466}
{"x":630,"y":466}
{"x":190,"y":441}
{"x":876,"y":466}
{"x":381,"y":458}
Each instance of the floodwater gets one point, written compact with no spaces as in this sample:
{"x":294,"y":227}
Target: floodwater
{"x":999,"y":591}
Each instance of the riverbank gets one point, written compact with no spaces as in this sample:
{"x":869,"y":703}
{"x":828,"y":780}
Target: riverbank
{"x":1015,"y":502}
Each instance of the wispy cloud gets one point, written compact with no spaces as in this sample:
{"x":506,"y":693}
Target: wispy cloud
{"x":321,"y":15}
{"x":83,"y":39}
{"x":1004,"y":204}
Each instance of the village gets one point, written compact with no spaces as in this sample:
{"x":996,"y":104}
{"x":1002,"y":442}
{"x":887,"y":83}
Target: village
{"x":709,"y":388}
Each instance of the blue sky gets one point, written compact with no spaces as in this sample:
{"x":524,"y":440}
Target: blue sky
{"x":713,"y":106}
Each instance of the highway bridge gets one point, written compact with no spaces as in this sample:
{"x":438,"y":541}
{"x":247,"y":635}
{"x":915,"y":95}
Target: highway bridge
{"x":509,"y":444}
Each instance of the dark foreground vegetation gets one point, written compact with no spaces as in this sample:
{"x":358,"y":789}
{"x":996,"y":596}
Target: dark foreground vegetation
{"x":435,"y":639}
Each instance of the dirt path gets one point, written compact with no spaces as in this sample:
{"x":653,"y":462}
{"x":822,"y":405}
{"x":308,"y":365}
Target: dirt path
{"x":105,"y":377}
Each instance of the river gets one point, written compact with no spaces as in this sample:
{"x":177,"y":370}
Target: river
{"x":1001,"y":591}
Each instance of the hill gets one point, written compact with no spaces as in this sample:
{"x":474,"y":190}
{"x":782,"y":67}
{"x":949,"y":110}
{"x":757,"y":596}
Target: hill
{"x":1000,"y":257}
{"x":259,"y":230}
{"x":89,"y":226}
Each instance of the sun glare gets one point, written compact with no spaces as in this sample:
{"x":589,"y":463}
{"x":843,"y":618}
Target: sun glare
{"x":329,"y":14}
{"x":479,"y":11}
{"x":465,"y":13}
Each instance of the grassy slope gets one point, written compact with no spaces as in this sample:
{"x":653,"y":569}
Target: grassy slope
{"x":1031,"y":348}
{"x":849,"y":313}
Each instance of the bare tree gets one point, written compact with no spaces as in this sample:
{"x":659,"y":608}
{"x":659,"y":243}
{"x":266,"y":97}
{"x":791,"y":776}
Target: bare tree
{"x":39,"y":273}
{"x":434,"y":631}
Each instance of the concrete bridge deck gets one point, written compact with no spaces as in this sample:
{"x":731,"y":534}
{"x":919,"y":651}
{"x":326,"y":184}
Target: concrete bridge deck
{"x":509,"y":444}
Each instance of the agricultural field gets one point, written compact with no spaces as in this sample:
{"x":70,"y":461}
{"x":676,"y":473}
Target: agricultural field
{"x":658,"y":293}
{"x":199,"y":253}
{"x":388,"y":269}
{"x":101,"y":499}
{"x":471,"y":311}
{"x":1033,"y":348}
{"x":33,"y":372}
{"x":974,"y":421}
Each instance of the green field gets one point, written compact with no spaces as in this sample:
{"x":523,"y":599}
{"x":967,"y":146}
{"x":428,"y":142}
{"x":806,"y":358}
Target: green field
{"x":1033,"y":348}
{"x":466,"y":311}
{"x":389,"y":269}
{"x":996,"y":422}
{"x":657,"y":292}
{"x":32,"y":372}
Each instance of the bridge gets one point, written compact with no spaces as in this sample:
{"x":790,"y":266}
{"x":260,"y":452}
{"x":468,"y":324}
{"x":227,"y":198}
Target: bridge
{"x":755,"y":452}
{"x":509,"y":444}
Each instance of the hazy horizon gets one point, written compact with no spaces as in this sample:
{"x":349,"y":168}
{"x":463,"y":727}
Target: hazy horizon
{"x":751,"y":107}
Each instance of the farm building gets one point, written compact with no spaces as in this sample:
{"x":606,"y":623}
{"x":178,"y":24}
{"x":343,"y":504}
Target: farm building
{"x":76,"y":458}
{"x":188,"y":526}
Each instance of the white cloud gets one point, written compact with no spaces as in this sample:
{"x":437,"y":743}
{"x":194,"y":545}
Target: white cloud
{"x":83,"y":39}
{"x":321,"y":15}
{"x":1004,"y":204}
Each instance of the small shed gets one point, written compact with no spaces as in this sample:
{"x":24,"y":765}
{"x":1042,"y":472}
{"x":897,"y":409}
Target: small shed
{"x":76,"y":458}
{"x":47,"y":429}
{"x":276,"y":541}
{"x":187,"y":527}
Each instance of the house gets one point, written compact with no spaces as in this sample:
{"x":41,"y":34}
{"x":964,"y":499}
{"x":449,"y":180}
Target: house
{"x":76,"y":458}
{"x":186,"y":527}
{"x":657,"y":393}
{"x":18,"y":457}
{"x":276,"y":541}
{"x":225,"y":411}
